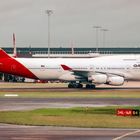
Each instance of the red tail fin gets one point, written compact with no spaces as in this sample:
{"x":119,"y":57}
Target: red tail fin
{"x":3,"y":54}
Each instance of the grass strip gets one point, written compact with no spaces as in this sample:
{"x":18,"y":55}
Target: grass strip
{"x":83,"y":94}
{"x":102,"y":117}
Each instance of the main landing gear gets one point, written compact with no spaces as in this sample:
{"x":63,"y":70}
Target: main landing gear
{"x":79,"y":85}
{"x":90,"y":86}
{"x":75,"y":85}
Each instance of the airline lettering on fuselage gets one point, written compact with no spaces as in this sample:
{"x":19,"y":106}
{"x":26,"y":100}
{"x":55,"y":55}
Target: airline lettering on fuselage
{"x":136,"y":65}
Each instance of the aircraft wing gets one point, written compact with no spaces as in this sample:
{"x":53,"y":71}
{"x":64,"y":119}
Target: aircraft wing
{"x":87,"y":73}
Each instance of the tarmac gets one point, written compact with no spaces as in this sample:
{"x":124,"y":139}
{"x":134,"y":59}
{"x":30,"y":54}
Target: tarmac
{"x":13,"y":104}
{"x":17,"y":132}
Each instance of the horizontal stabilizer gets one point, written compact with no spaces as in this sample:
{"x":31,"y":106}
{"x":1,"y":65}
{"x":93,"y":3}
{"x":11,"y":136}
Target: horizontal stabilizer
{"x":3,"y":54}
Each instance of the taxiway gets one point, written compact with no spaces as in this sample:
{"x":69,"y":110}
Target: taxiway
{"x":14,"y":132}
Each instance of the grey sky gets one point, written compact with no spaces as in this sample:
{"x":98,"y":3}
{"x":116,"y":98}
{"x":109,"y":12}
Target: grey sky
{"x":72,"y":21}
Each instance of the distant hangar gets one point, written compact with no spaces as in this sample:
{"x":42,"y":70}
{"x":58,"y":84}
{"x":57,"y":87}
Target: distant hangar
{"x":28,"y":51}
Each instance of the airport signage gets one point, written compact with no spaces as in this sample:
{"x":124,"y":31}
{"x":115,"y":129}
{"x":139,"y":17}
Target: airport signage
{"x":127,"y":112}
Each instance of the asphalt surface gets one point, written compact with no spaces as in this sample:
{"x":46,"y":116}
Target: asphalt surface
{"x":65,"y":89}
{"x":15,"y":132}
{"x":17,"y":103}
{"x":34,"y":103}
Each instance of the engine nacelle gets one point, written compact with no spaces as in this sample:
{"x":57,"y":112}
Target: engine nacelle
{"x":69,"y":77}
{"x":99,"y":78}
{"x":115,"y":80}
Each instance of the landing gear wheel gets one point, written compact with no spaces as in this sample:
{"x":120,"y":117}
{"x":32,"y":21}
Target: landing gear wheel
{"x":92,"y":86}
{"x":80,"y":86}
{"x":88,"y":86}
{"x":70,"y":85}
{"x":75,"y":85}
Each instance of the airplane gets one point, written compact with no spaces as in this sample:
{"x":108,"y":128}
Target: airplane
{"x":111,"y":70}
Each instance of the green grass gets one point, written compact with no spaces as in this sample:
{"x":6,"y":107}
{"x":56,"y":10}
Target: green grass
{"x":75,"y":117}
{"x":75,"y":94}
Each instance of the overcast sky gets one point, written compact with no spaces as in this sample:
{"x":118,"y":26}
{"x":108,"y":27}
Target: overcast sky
{"x":71,"y":23}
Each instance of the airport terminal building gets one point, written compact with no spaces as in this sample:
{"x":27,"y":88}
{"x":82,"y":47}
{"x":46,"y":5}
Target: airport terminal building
{"x":28,"y":52}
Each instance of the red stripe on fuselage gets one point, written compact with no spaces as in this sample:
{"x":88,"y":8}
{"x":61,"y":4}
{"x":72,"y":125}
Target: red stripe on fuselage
{"x":10,"y":65}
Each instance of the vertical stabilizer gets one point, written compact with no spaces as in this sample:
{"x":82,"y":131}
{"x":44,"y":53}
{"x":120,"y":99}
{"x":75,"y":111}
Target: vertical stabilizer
{"x":3,"y":54}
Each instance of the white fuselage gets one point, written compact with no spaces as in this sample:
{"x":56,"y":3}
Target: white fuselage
{"x":127,"y":66}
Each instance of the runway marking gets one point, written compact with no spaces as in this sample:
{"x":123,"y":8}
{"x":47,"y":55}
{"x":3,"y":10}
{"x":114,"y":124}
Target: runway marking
{"x":127,"y":134}
{"x":24,"y":138}
{"x":11,"y":95}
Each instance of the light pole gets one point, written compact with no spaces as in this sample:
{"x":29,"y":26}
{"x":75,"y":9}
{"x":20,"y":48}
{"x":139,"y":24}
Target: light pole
{"x":104,"y":36}
{"x":49,"y":12}
{"x":97,"y":39}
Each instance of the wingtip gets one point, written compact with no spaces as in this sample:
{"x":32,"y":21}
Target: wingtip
{"x":66,"y":67}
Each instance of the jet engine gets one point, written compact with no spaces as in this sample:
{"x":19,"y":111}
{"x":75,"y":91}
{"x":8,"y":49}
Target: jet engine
{"x":69,"y":77}
{"x":98,"y":78}
{"x":115,"y":80}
